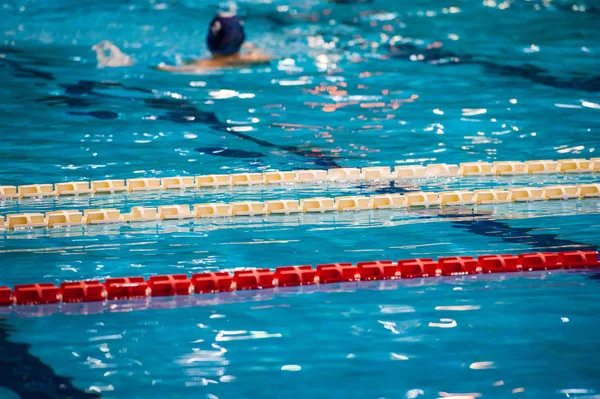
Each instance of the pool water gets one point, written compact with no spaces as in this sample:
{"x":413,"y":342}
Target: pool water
{"x":384,"y":339}
{"x":354,"y":85}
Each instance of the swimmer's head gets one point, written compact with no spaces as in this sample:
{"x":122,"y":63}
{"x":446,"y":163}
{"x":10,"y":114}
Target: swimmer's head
{"x":225,"y":34}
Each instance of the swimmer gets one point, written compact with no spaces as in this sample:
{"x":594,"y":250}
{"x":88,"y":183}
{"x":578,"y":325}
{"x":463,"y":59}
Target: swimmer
{"x":225,"y":39}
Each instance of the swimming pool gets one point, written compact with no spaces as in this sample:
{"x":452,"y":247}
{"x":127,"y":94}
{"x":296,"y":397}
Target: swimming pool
{"x":337,"y":97}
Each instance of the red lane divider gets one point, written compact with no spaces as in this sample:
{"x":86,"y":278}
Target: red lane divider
{"x":33,"y":294}
{"x":336,"y":273}
{"x":175,"y":284}
{"x":6,"y":298}
{"x":578,"y":259}
{"x":83,"y":291}
{"x":253,"y":279}
{"x":540,"y":261}
{"x":499,"y":263}
{"x":457,"y":265}
{"x":125,"y":288}
{"x":414,"y":268}
{"x":207,"y":283}
{"x":290,"y":276}
{"x":378,"y":270}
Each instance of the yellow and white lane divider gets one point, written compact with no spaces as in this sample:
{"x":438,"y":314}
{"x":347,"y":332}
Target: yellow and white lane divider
{"x":308,"y":205}
{"x":367,"y":174}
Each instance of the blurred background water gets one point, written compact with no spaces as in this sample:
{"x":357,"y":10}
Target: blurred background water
{"x":375,"y":83}
{"x":513,"y":80}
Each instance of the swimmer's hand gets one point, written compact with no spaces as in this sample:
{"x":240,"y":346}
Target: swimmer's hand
{"x":109,"y":55}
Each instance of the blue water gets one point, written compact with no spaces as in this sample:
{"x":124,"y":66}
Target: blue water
{"x":390,"y":339}
{"x":514,"y":80}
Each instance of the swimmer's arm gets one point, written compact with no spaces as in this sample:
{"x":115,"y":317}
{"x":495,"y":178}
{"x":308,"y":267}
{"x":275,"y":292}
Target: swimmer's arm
{"x":257,"y":57}
{"x":255,"y":54}
{"x":205,"y":64}
{"x":191,"y":66}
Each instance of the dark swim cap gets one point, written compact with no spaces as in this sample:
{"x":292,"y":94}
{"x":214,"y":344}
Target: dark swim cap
{"x":225,"y":34}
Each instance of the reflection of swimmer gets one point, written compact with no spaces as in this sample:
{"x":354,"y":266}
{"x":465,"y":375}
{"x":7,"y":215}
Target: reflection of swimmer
{"x":225,"y":39}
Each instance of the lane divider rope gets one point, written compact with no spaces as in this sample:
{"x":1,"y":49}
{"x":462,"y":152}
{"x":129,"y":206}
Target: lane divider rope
{"x":289,"y":276}
{"x":367,"y":174}
{"x":67,"y":218}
